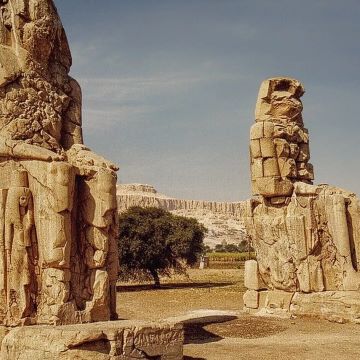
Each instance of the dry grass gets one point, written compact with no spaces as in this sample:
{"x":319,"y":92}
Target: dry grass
{"x":220,"y":289}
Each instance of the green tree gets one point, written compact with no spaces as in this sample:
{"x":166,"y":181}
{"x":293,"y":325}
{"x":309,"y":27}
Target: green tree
{"x":231,"y":248}
{"x":153,"y":242}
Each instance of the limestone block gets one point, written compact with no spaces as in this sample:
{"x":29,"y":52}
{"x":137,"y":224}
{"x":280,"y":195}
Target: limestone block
{"x":251,"y":299}
{"x":261,"y":110}
{"x":274,"y":186}
{"x":271,"y":167}
{"x":251,"y":275}
{"x":257,"y":168}
{"x":257,"y":131}
{"x":304,"y":153}
{"x":268,"y":129}
{"x":277,"y":299}
{"x":267,"y":148}
{"x":255,"y":148}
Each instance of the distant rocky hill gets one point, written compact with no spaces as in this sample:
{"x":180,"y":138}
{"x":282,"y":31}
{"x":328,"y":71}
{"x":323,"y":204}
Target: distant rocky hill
{"x":222,"y":219}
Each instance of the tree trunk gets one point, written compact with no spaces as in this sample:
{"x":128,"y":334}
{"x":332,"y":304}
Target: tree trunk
{"x":155,"y":275}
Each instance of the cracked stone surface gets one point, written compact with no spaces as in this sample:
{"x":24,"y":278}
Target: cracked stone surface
{"x":58,"y":218}
{"x":99,"y":341}
{"x":306,"y":236}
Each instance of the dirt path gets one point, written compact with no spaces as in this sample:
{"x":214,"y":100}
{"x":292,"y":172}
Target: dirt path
{"x":240,"y":336}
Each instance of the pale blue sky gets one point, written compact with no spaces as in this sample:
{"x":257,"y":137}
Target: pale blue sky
{"x":169,"y":86}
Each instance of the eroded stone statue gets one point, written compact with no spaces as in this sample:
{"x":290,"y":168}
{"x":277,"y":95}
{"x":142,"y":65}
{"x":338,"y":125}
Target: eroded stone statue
{"x":58,"y":198}
{"x":306,"y":237}
{"x":58,"y":211}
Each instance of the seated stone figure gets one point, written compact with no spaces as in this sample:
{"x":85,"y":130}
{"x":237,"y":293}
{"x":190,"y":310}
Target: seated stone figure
{"x":306,"y":237}
{"x":58,"y":252}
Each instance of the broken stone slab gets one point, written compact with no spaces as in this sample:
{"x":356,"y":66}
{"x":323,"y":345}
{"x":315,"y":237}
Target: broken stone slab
{"x":336,"y":306}
{"x":120,"y":340}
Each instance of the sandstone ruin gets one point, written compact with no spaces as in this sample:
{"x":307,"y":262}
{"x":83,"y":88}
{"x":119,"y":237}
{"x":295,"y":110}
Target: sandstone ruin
{"x":58,"y":211}
{"x":306,"y":237}
{"x":58,"y":207}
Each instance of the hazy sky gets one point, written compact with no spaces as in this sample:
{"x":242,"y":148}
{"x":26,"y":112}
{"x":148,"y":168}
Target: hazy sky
{"x":169,"y":86}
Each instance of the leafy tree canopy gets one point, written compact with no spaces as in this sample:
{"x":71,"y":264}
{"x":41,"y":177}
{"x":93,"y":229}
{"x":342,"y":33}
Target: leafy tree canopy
{"x":153,"y":242}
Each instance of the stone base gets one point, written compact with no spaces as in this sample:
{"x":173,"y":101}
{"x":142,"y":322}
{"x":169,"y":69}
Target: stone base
{"x":338,"y":306}
{"x":116,"y":340}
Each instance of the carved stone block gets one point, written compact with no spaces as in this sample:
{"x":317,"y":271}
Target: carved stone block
{"x":255,"y":149}
{"x":274,"y":186}
{"x":267,"y":147}
{"x":257,"y":168}
{"x":105,"y":340}
{"x":251,"y":299}
{"x":257,"y":131}
{"x":268,"y":129}
{"x":271,"y":167}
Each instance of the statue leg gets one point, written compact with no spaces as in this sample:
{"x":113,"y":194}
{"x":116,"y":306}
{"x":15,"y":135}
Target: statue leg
{"x":53,"y":188}
{"x":339,"y":230}
{"x":99,"y":216}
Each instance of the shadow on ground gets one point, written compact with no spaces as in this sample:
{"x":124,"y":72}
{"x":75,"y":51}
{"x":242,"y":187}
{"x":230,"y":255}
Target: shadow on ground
{"x":192,"y":358}
{"x":196,"y":330}
{"x":196,"y":334}
{"x":170,"y":286}
{"x":247,"y":327}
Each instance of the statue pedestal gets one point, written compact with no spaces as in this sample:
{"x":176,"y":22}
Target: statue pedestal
{"x":101,"y":341}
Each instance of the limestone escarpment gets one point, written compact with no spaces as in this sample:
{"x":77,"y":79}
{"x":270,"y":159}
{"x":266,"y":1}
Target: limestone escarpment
{"x":222,"y":219}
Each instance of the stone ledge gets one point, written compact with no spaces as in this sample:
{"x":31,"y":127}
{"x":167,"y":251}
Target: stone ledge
{"x":335,"y":306}
{"x":116,"y":340}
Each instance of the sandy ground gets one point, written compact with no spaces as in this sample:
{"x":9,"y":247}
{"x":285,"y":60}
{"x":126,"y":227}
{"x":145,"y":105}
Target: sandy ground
{"x":237,"y":336}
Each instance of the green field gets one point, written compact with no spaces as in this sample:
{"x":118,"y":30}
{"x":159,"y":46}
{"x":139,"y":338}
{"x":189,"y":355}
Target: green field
{"x":229,"y":257}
